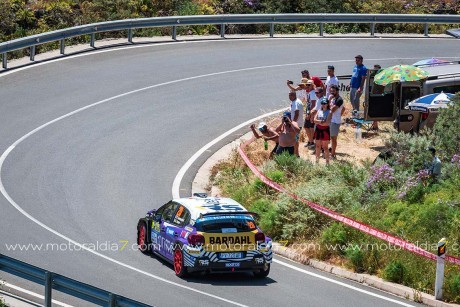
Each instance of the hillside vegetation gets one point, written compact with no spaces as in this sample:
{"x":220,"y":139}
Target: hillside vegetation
{"x":19,"y":18}
{"x":395,"y":195}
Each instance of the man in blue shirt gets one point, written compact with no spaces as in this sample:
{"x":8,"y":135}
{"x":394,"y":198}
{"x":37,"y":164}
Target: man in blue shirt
{"x":357,"y":82}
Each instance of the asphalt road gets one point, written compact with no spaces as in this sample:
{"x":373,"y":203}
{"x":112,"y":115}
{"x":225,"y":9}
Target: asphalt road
{"x":91,"y":175}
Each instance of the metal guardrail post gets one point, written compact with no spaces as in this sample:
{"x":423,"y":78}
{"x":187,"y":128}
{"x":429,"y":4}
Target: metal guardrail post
{"x":112,"y":300}
{"x":222,"y":30}
{"x":427,"y":26}
{"x":174,"y":32}
{"x":321,"y":29}
{"x":130,"y":36}
{"x":48,"y":288}
{"x":272,"y":29}
{"x":93,"y":39}
{"x":62,"y":47}
{"x":32,"y":53}
{"x":4,"y":61}
{"x":373,"y":29}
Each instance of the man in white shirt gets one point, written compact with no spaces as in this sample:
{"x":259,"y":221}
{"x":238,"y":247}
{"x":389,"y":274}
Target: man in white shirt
{"x":331,"y":79}
{"x":296,"y":116}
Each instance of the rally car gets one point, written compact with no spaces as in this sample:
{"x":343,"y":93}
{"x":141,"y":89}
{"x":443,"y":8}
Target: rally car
{"x":206,"y":234}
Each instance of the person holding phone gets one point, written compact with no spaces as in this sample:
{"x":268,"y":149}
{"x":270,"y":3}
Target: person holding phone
{"x":287,"y":131}
{"x":322,"y":134}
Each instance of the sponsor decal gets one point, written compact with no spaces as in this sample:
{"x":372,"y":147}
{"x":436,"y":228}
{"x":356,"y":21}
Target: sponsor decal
{"x":155,"y":226}
{"x":219,"y":207}
{"x":170,"y":231}
{"x":232,"y":265}
{"x":229,"y":230}
{"x":203,"y":262}
{"x":229,"y":242}
{"x":416,"y":108}
{"x":184,"y":234}
{"x":188,"y":228}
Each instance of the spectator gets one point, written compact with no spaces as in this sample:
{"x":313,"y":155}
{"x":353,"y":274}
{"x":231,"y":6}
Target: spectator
{"x":336,"y":110}
{"x":268,"y":134}
{"x":300,"y":89}
{"x":357,"y":82}
{"x":316,"y":80}
{"x":296,"y":116}
{"x":319,"y":93}
{"x":331,"y":79}
{"x":322,"y":133}
{"x":287,"y":130}
{"x":435,"y":167}
{"x":310,"y":106}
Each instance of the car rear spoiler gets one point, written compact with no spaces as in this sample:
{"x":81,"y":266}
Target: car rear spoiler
{"x":230,"y":213}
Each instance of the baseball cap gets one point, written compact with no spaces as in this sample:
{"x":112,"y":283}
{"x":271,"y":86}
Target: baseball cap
{"x":261,"y":125}
{"x":330,"y":67}
{"x":287,"y":114}
{"x":359,"y":57}
{"x":309,"y":82}
{"x":323,"y":100}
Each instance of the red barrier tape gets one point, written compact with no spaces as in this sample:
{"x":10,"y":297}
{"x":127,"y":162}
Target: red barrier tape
{"x":340,"y":218}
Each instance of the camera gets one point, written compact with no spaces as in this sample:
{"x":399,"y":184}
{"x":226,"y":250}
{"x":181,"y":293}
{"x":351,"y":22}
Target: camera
{"x":285,"y":119}
{"x":290,"y":82}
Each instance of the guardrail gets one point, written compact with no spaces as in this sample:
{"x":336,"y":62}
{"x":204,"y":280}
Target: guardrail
{"x":63,"y":284}
{"x":222,"y":20}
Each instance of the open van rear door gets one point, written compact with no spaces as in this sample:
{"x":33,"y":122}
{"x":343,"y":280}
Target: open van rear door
{"x":379,"y":103}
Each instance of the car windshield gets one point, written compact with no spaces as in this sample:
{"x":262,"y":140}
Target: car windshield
{"x":225,"y":224}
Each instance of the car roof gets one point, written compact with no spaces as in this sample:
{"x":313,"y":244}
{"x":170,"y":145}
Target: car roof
{"x":440,"y":70}
{"x":221,"y":205}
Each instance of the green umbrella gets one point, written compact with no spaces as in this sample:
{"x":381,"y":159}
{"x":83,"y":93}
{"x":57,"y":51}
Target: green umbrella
{"x":399,"y":73}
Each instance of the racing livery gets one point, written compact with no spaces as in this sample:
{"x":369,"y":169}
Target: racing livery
{"x":205,"y":234}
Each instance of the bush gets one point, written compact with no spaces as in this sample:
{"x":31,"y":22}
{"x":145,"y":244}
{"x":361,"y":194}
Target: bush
{"x":395,"y":271}
{"x":447,"y":129}
{"x":356,"y":258}
{"x":452,"y":288}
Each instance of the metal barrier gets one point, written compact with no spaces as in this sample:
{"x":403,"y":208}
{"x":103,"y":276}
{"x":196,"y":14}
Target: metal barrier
{"x":222,"y":20}
{"x":63,"y":284}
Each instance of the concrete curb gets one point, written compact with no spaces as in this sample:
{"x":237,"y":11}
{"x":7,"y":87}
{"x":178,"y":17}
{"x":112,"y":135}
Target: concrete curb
{"x":201,"y":183}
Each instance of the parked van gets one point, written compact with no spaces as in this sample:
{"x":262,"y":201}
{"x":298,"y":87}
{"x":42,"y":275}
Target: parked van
{"x":388,"y":103}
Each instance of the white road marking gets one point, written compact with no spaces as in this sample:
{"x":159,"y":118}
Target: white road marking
{"x":8,"y":285}
{"x":177,"y":181}
{"x":155,"y":44}
{"x":341,"y":283}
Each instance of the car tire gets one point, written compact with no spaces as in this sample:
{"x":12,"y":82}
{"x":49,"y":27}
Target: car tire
{"x":263,"y":272}
{"x":178,"y":263}
{"x":142,"y":239}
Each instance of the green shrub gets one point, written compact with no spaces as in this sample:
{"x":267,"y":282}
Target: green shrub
{"x":276,"y":176}
{"x":395,"y":271}
{"x":452,"y":288}
{"x":356,"y":258}
{"x":446,"y":130}
{"x":268,"y":217}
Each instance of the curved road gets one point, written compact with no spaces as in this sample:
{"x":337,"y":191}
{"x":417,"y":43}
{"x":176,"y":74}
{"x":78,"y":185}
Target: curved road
{"x":89,"y":176}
